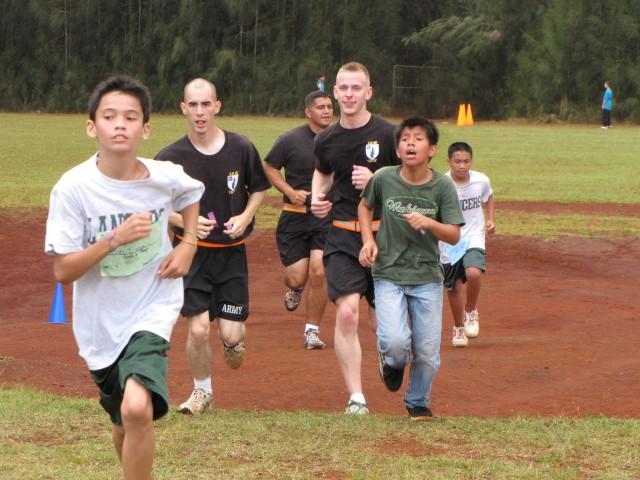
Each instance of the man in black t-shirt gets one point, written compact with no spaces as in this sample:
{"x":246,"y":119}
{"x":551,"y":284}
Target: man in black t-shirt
{"x":300,"y":235}
{"x":217,"y":286}
{"x":347,"y":154}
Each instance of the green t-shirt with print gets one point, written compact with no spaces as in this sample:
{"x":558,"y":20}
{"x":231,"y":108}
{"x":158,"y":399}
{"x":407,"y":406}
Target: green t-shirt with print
{"x":406,"y":256}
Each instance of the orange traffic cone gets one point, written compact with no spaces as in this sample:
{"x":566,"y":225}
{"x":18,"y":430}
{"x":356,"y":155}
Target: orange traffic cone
{"x":469,"y":115}
{"x":462,"y":117}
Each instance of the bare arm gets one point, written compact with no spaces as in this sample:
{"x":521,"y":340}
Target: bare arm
{"x":369,"y":250}
{"x":489,"y":206}
{"x":297,"y":197}
{"x":320,"y":186}
{"x":237,"y":225}
{"x":177,"y":263}
{"x":203,"y":228}
{"x":446,"y":232}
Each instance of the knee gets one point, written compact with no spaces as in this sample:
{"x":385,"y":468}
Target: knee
{"x":317,"y":278}
{"x":232,"y":333}
{"x":347,"y":318}
{"x":137,"y":411}
{"x":473,"y":274}
{"x":199,"y":330}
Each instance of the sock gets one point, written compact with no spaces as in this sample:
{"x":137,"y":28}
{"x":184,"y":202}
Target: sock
{"x":204,"y":385}
{"x":309,"y":326}
{"x":358,"y":397}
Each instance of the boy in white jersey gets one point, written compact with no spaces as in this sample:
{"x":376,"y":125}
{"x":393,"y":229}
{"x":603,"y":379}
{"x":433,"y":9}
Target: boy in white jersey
{"x":464,"y":263}
{"x":107,"y":230}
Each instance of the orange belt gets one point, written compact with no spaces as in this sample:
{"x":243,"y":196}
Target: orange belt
{"x":290,"y":207}
{"x":214,"y":245}
{"x":354,"y":225}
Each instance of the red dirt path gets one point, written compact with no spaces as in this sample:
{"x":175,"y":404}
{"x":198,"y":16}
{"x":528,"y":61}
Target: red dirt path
{"x":558,"y":331}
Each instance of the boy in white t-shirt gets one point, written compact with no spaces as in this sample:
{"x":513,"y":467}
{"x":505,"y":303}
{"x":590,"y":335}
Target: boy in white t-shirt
{"x":107,"y":230}
{"x":464,"y":263}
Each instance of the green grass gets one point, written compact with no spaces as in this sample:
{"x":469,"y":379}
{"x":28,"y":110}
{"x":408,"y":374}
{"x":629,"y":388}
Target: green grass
{"x":552,"y":163}
{"x":52,"y":437}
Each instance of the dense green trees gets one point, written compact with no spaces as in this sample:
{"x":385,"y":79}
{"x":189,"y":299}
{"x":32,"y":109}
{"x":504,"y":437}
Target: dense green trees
{"x":541,"y":59}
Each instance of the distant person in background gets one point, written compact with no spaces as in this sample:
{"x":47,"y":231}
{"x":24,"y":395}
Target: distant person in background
{"x":300,"y":234}
{"x":320,"y":83}
{"x":607,"y":101}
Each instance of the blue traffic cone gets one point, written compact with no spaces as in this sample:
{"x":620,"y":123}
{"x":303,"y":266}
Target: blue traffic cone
{"x":58,"y":313}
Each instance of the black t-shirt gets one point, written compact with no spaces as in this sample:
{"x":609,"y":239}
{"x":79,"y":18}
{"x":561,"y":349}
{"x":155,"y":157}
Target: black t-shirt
{"x":338,"y":149}
{"x":229,"y":177}
{"x":293,"y":150}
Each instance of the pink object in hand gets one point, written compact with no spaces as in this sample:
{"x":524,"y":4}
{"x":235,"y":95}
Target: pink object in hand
{"x":212,"y":217}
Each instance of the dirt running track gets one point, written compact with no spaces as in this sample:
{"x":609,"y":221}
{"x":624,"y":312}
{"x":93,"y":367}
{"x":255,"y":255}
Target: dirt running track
{"x":559,"y":332}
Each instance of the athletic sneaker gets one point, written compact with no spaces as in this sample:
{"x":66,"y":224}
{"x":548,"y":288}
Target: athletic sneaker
{"x":391,"y":377}
{"x":356,"y":408}
{"x":199,"y":402}
{"x":471,"y":324}
{"x":418,"y":414}
{"x":459,"y":338}
{"x":292,"y":298}
{"x":312,"y":340}
{"x":233,"y":356}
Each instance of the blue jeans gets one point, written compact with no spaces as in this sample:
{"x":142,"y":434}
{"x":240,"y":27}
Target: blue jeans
{"x":410,"y":320}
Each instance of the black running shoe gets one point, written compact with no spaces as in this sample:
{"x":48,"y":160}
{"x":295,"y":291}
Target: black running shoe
{"x":418,"y":414}
{"x":392,"y":377}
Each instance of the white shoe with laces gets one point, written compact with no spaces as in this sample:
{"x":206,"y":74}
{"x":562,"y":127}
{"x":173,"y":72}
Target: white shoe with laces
{"x":459,"y":338}
{"x":472,"y":324}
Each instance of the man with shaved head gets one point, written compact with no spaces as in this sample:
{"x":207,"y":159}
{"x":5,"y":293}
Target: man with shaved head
{"x":217,"y":286}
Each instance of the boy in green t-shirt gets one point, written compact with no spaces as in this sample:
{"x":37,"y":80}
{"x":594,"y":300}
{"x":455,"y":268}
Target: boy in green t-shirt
{"x":419,"y":207}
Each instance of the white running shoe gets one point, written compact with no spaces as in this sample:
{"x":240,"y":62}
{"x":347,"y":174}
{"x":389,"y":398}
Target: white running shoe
{"x":472,"y":324}
{"x":312,"y":340}
{"x":459,"y":338}
{"x":199,"y":402}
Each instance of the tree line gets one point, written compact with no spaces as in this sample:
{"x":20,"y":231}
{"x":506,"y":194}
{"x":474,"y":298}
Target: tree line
{"x":542,"y":60}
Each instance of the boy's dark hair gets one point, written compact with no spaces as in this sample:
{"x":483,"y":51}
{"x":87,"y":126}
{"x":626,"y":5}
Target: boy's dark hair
{"x":124,"y":84}
{"x":459,"y":146}
{"x":309,"y":99}
{"x":432,"y":131}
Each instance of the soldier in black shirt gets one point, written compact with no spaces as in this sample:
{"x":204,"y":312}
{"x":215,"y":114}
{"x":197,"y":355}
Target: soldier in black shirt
{"x":348,"y":153}
{"x":300,"y":235}
{"x":217,"y":286}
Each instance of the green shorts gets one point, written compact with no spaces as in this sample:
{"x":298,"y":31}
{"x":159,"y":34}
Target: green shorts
{"x":474,"y":257}
{"x":145,"y":359}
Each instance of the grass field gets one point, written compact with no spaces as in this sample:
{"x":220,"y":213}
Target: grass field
{"x":70,"y":439}
{"x":48,"y":437}
{"x":551,"y":163}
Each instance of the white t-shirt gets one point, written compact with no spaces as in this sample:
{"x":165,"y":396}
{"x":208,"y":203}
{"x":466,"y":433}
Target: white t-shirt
{"x":471,"y":195}
{"x":108,"y":309}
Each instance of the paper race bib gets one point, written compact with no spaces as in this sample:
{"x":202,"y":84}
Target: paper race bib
{"x":133,"y":257}
{"x":457,"y":251}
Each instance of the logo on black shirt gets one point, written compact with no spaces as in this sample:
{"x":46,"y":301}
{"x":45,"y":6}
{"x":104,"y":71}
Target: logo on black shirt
{"x":372,"y":150}
{"x":232,"y":182}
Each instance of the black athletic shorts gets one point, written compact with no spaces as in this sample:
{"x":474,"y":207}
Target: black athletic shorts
{"x":342,"y":266}
{"x":474,"y":257}
{"x":218,"y":281}
{"x":145,"y":359}
{"x":299,"y":233}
